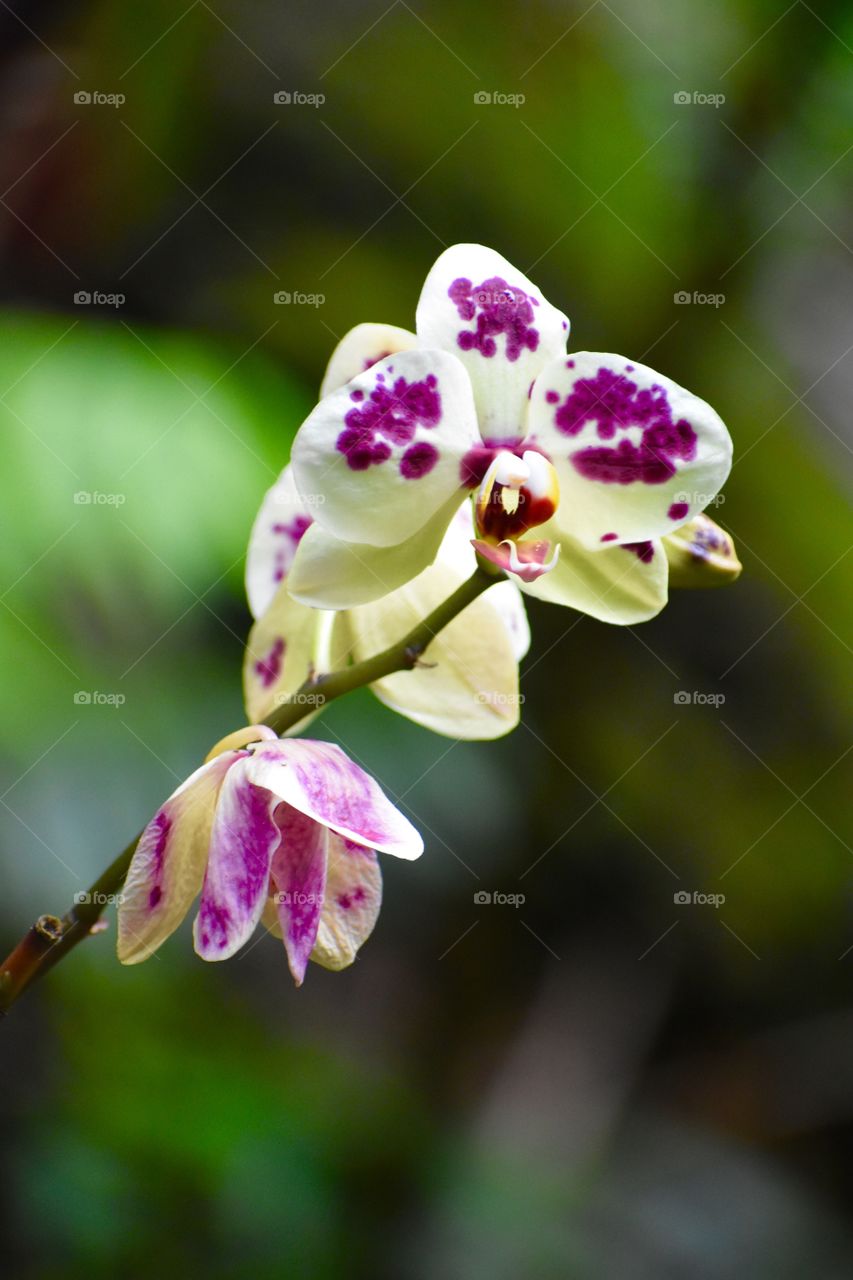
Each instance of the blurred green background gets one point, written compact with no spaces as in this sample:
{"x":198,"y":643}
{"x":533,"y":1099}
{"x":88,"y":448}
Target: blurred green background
{"x":601,"y":1083}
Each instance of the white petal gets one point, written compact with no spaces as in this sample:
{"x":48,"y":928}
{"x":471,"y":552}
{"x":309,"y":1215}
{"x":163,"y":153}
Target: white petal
{"x":385,"y":452}
{"x":361,"y":348}
{"x":329,"y":573}
{"x":619,"y":584}
{"x":636,"y":454}
{"x":476,"y":305}
{"x":278,"y":529}
{"x":466,"y":685}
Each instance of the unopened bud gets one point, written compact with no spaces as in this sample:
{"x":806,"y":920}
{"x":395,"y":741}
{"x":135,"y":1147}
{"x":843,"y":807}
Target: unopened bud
{"x":701,"y":554}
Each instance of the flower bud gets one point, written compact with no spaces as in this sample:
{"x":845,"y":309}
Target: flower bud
{"x":701,"y":554}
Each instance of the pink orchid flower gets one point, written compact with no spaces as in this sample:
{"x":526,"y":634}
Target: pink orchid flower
{"x":284,"y":831}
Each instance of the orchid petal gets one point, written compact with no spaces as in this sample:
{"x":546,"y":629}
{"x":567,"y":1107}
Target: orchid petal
{"x":278,"y":529}
{"x":362,"y":347}
{"x":299,"y":876}
{"x":236,"y":882}
{"x":636,"y":454}
{"x":320,"y":780}
{"x":385,"y":452}
{"x":351,"y":903}
{"x":618,"y":584}
{"x":289,"y":644}
{"x":477,"y":306}
{"x":167,"y":868}
{"x":466,"y":684}
{"x":328,"y":573}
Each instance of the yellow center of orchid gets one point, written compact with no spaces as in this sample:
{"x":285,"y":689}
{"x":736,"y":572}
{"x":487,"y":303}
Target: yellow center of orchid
{"x":516,"y":494}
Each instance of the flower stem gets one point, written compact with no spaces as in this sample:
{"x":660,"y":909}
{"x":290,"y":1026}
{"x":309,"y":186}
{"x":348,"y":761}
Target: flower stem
{"x":50,"y":939}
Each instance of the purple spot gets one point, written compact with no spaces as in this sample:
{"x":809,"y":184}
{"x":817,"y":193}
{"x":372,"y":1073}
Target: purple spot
{"x":368,"y":364}
{"x":499,"y":308}
{"x":678,"y":510}
{"x":288,"y":536}
{"x":570,"y":364}
{"x":552,"y":397}
{"x":474,"y":466}
{"x":615,"y":403}
{"x":154,"y":897}
{"x":390,"y":416}
{"x":418,"y":460}
{"x":644,"y":551}
{"x":609,"y":537}
{"x":565,"y":324}
{"x":345,"y":901}
{"x":357,"y":395}
{"x":268,"y":669}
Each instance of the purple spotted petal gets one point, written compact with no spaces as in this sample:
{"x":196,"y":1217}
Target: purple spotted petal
{"x":279,"y":527}
{"x":236,"y":884}
{"x":351,"y":903}
{"x":167,"y":868}
{"x":321,"y":781}
{"x":635,"y":453}
{"x":380,"y":456}
{"x":478,"y":306}
{"x":299,"y":881}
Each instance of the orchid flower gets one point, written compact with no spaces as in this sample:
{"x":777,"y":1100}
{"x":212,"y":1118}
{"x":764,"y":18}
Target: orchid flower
{"x":701,"y":554}
{"x":595,"y":456}
{"x":467,"y":687}
{"x":281,"y":831}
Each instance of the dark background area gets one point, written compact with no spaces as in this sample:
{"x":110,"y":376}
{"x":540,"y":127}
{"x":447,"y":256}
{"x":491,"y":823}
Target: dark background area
{"x":601,"y":1082}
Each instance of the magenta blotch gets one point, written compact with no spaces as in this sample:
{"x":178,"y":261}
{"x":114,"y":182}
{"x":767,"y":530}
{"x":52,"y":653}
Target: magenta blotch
{"x":678,"y":510}
{"x":499,"y":308}
{"x":390,"y":416}
{"x":268,"y":668}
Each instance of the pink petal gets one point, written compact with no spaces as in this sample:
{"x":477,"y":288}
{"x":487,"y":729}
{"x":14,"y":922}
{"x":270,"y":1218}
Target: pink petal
{"x":299,"y":877}
{"x":242,"y":843}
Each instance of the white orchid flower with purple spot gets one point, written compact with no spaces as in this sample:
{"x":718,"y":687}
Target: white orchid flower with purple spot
{"x":578,"y":464}
{"x":281,"y":831}
{"x":467,"y":684}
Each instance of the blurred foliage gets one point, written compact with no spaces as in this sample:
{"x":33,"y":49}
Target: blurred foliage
{"x":601,"y":1083}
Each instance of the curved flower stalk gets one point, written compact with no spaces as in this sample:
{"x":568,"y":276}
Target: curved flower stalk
{"x":281,"y":831}
{"x":467,"y":686}
{"x":596,"y":456}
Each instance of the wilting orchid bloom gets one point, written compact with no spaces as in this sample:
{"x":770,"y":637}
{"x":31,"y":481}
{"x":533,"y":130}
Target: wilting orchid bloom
{"x":467,"y":684}
{"x":284,"y":831}
{"x":579,"y":464}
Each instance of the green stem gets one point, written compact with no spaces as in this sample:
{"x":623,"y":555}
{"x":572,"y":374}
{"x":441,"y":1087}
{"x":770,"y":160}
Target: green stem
{"x":50,"y":939}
